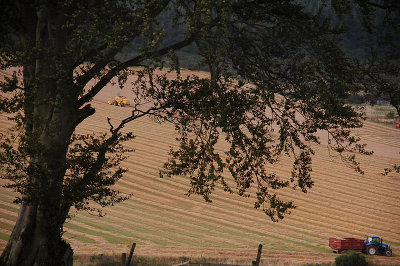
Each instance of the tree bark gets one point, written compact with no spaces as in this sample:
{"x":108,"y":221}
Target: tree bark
{"x":37,"y":236}
{"x":50,"y":117}
{"x":35,"y":240}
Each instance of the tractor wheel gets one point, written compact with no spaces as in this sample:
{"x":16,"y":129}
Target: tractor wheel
{"x":121,"y":104}
{"x":372,"y":250}
{"x":115,"y":103}
{"x":388,"y":252}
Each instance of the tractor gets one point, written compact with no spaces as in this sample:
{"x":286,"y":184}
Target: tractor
{"x":374,"y":245}
{"x":119,"y":101}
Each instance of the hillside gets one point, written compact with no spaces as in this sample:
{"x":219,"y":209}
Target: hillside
{"x":163,"y":221}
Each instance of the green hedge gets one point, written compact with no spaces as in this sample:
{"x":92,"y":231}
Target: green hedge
{"x":354,"y":259}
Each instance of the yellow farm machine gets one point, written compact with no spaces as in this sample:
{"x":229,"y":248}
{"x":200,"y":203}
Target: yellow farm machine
{"x":119,"y":101}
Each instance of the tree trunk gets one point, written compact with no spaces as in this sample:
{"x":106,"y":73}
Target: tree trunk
{"x":394,"y":97}
{"x":49,"y":121}
{"x":36,"y":240}
{"x":396,"y":104}
{"x":37,"y":236}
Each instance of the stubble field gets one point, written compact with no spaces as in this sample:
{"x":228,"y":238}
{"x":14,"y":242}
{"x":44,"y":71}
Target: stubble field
{"x":165,"y":222}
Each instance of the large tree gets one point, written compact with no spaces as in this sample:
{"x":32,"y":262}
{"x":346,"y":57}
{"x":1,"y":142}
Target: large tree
{"x":378,"y":36}
{"x":383,"y":65}
{"x":278,"y":77}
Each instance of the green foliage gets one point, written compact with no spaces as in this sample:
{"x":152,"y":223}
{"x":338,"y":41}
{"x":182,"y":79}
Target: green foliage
{"x":391,"y":115}
{"x":289,"y":88}
{"x":395,"y":168}
{"x":92,"y":168}
{"x":353,"y":259}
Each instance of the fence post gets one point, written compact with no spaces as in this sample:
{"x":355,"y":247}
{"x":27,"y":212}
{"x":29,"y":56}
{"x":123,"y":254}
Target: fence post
{"x":123,"y":259}
{"x":128,"y":262}
{"x":257,"y":261}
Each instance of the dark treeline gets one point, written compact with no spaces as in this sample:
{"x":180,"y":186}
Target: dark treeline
{"x":357,"y":42}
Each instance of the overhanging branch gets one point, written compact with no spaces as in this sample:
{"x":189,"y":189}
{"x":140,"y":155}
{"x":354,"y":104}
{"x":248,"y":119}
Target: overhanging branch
{"x":135,"y":115}
{"x":133,"y":62}
{"x":394,"y":4}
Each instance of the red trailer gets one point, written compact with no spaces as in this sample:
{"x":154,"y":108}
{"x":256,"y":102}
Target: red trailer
{"x":340,"y":245}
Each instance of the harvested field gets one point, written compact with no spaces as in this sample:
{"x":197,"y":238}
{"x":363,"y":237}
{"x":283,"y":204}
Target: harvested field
{"x":165,"y":222}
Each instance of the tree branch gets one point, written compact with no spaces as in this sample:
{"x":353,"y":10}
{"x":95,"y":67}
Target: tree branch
{"x":154,"y":8}
{"x":394,"y":4}
{"x":84,"y":113}
{"x":161,"y":52}
{"x":82,"y":80}
{"x":133,"y":117}
{"x":133,"y":62}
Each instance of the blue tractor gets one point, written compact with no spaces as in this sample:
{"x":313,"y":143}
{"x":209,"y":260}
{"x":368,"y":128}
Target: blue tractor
{"x":374,"y":246}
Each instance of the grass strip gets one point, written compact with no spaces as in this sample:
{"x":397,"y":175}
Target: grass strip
{"x":80,"y":238}
{"x":6,"y":226}
{"x":7,"y":199}
{"x":110,"y":238}
{"x":203,"y":233}
{"x":229,"y":203}
{"x":241,"y":229}
{"x":120,"y":232}
{"x":175,"y":239}
{"x":4,"y":236}
{"x":8,"y":217}
{"x":9,"y":208}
